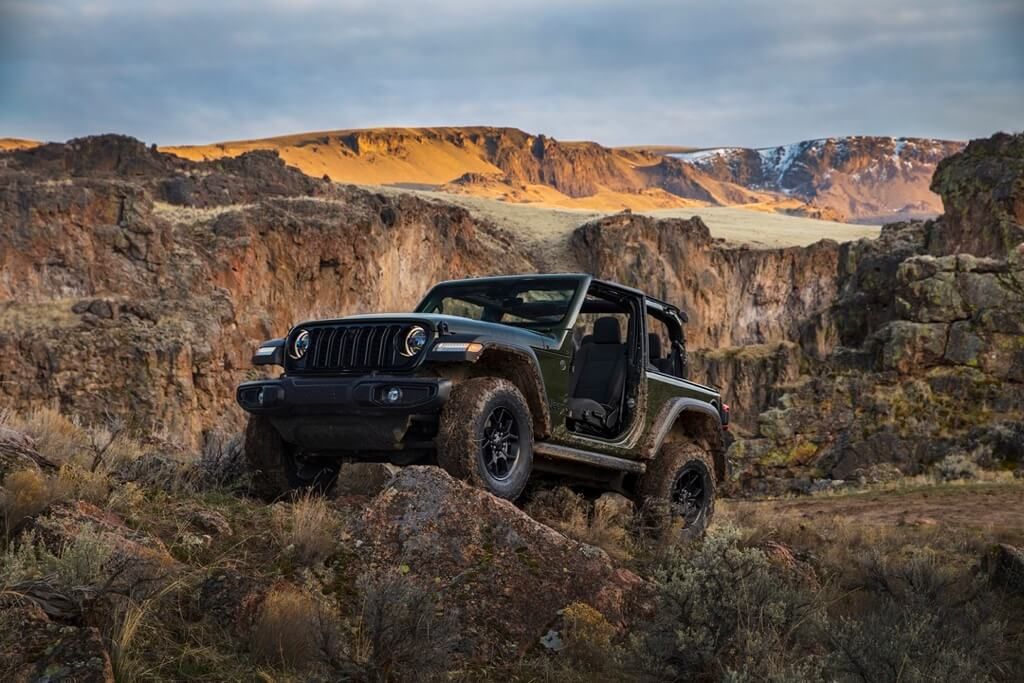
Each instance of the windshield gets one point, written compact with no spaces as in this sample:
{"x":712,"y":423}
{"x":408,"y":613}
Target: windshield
{"x":533,"y":303}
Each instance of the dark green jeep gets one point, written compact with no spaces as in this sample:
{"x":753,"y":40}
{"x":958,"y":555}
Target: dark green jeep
{"x":493,"y":378}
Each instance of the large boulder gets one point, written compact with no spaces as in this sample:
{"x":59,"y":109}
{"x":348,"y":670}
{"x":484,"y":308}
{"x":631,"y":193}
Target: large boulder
{"x":503,"y":575}
{"x":34,"y":648}
{"x":982,"y":190}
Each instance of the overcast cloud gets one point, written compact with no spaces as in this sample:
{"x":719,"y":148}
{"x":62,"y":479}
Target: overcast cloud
{"x":690,"y":72}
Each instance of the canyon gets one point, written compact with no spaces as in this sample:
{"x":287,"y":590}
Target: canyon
{"x":136,"y":283}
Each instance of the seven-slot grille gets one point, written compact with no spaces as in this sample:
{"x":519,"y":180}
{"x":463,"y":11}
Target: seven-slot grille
{"x":357,"y":348}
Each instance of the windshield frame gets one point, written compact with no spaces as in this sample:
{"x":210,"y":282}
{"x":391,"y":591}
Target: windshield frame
{"x":579,"y":283}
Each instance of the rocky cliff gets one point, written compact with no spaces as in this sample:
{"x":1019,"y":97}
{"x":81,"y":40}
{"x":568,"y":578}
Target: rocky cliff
{"x":918,"y":363}
{"x":136,"y":283}
{"x":866,"y":179}
{"x":734,"y":296}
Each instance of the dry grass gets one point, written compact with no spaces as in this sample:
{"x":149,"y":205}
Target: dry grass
{"x":190,"y":215}
{"x":589,"y":635}
{"x":577,"y":518}
{"x":25,"y":493}
{"x":56,"y":437}
{"x":307,"y":528}
{"x":285,"y":630}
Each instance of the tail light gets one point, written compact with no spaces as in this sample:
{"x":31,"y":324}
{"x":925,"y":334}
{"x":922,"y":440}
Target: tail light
{"x":725,"y":416}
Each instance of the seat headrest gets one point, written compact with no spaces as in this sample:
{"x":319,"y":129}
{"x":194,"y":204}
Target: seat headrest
{"x":653,"y":345}
{"x":587,"y":339}
{"x":606,"y":331}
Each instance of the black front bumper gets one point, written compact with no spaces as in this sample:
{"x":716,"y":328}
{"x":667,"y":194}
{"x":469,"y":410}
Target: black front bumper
{"x":343,"y":396}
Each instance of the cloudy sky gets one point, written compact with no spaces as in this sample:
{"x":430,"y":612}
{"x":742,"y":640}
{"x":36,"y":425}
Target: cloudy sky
{"x":693,"y":72}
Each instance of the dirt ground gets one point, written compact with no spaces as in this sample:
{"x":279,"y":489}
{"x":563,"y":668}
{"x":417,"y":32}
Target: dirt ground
{"x":994,"y":510}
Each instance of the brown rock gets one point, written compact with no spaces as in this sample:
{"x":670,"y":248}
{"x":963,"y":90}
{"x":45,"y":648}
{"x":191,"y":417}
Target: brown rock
{"x":505,"y":574}
{"x":364,"y":478}
{"x":33,"y":648}
{"x":207,"y":521}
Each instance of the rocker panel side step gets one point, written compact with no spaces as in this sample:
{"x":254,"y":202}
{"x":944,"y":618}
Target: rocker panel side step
{"x":610,"y":462}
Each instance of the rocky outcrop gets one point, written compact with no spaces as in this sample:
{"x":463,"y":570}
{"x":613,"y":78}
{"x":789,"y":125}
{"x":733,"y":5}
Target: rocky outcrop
{"x":752,"y":377}
{"x":733,"y":296}
{"x":919,"y":357}
{"x":34,"y":648}
{"x":122,"y":296}
{"x":982,"y":192}
{"x":496,"y":568}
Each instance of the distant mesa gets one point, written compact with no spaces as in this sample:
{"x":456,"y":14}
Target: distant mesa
{"x":858,"y":179}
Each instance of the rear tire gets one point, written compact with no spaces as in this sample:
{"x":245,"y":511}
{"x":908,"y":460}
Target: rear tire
{"x":276,"y":469}
{"x":485,"y":436}
{"x":679,"y":489}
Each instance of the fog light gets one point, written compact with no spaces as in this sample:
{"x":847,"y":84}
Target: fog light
{"x":394,"y":395}
{"x":261,"y":396}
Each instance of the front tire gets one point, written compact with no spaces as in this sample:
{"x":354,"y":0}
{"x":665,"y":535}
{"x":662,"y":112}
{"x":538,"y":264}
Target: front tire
{"x":678,"y":490}
{"x":275,"y":467}
{"x":486,"y":436}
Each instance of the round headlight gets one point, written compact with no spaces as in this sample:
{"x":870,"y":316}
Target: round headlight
{"x":415,"y":340}
{"x":300,"y":345}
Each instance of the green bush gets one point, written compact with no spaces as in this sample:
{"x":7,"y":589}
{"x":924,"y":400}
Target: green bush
{"x":724,"y":611}
{"x":919,"y":619}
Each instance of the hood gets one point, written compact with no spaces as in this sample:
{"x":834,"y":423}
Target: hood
{"x":459,"y":327}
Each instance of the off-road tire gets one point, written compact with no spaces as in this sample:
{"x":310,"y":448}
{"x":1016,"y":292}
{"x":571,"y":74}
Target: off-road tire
{"x":461,"y":434}
{"x":658,"y":486}
{"x":273,"y":467}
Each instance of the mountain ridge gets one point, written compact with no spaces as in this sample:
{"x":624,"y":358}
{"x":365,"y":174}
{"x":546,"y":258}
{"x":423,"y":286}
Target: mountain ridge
{"x":858,"y":179}
{"x":868,"y":178}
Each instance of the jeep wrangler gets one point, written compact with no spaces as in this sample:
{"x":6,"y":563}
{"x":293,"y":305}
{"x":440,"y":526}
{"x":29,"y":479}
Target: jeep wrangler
{"x":491,"y":379}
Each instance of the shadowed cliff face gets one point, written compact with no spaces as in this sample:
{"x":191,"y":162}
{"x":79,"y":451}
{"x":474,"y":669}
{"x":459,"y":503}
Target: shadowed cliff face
{"x":734,"y":296}
{"x":113,"y":300}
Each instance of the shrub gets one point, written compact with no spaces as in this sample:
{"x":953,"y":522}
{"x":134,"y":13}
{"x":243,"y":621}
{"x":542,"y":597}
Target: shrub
{"x":81,"y":562}
{"x":81,"y":484}
{"x":588,"y":637}
{"x":285,"y":628}
{"x":25,"y":493}
{"x":957,"y":466}
{"x":22,"y":560}
{"x":307,"y":528}
{"x":399,"y":635}
{"x":56,"y":437}
{"x":919,"y":619}
{"x":724,"y":609}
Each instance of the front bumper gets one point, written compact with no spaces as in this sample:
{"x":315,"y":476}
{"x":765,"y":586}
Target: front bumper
{"x":343,"y":396}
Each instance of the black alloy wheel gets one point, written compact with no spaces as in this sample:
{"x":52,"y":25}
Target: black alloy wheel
{"x":500,"y":448}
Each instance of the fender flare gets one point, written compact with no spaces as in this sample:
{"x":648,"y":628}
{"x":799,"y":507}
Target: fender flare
{"x":537,"y":398}
{"x":668,"y":418}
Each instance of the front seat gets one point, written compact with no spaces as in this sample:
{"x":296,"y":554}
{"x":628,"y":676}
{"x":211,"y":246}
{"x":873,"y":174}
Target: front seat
{"x":655,"y":361}
{"x":599,"y":377}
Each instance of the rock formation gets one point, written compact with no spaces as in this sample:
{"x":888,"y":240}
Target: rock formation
{"x":867,"y":179}
{"x":137,"y":283}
